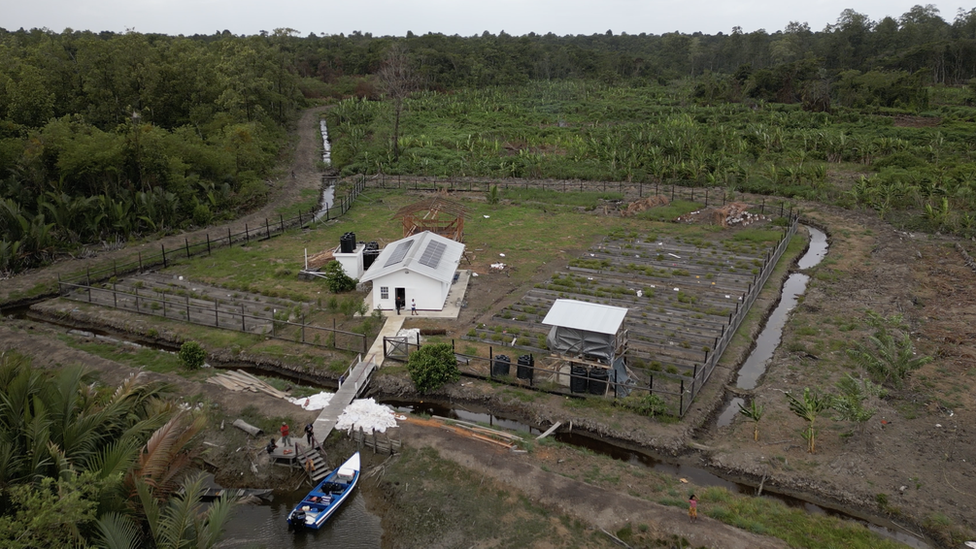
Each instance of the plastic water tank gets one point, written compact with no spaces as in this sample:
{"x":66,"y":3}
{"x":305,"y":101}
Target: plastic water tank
{"x":347,"y":243}
{"x":578,"y":379}
{"x":598,"y":380}
{"x":525,"y":367}
{"x":501,"y":366}
{"x":370,"y":252}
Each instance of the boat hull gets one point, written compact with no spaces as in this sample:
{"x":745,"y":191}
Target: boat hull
{"x":324,"y":500}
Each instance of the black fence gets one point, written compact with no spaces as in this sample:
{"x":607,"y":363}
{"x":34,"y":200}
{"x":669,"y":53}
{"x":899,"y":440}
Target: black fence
{"x":710,"y":196}
{"x":571,"y":379}
{"x":214,"y":240}
{"x":676,"y":392}
{"x":216,"y":314}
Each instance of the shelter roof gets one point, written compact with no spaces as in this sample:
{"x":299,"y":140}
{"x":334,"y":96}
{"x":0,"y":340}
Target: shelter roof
{"x":424,"y":253}
{"x":581,"y":315}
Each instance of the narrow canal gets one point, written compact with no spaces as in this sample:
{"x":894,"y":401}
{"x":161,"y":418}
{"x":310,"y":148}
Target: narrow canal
{"x":768,"y":341}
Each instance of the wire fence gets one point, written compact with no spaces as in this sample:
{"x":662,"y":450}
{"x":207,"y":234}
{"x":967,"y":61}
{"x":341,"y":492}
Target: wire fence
{"x":675,"y":392}
{"x":227,"y":315}
{"x":214,"y":240}
{"x":709,"y":196}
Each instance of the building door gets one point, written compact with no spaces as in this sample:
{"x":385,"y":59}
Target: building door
{"x":400,"y":295}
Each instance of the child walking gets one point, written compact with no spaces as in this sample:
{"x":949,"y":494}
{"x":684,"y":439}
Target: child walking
{"x":692,"y":508}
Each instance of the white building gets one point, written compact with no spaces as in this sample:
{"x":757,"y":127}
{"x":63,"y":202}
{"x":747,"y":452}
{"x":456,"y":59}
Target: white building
{"x":352,"y":262}
{"x":420,"y":267}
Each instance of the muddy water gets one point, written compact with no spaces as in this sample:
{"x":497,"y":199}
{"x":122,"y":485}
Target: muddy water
{"x":328,"y":199}
{"x":352,"y":527}
{"x":326,"y":147}
{"x":768,"y":341}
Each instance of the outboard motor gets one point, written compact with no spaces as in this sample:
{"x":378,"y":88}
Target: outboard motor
{"x":297,"y":520}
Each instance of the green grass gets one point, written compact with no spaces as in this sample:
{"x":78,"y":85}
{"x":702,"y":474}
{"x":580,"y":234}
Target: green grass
{"x":138,"y":357}
{"x":433,"y":497}
{"x":795,"y":526}
{"x":671,"y":211}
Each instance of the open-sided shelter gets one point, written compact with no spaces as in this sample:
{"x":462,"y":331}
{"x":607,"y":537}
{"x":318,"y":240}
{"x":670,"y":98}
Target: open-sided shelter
{"x":420,"y":267}
{"x":589,"y":331}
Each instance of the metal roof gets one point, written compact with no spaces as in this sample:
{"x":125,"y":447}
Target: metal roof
{"x":580,"y":315}
{"x":425,"y":253}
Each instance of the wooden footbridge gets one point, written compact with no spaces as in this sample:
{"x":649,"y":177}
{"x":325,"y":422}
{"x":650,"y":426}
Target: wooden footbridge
{"x":353,"y":383}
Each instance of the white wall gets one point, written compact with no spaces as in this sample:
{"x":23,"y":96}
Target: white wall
{"x":428,"y":293}
{"x":352,"y":263}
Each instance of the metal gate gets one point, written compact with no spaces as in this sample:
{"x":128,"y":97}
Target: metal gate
{"x":396,"y":348}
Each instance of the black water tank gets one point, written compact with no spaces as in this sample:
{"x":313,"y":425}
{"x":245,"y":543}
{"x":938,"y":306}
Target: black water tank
{"x":577,"y":380}
{"x":500,"y":366}
{"x":598,"y":381}
{"x":347,"y":243}
{"x":525,"y":364}
{"x":370,"y":252}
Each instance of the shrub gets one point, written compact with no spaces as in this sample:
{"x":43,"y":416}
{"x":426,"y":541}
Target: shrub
{"x":192,"y":355}
{"x":432,"y":366}
{"x":337,"y":279}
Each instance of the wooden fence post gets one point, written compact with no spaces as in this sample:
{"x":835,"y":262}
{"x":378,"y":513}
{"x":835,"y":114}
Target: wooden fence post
{"x":164,"y":255}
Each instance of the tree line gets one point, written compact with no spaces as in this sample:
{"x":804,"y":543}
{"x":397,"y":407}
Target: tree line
{"x":107,"y":136}
{"x":919,"y":40}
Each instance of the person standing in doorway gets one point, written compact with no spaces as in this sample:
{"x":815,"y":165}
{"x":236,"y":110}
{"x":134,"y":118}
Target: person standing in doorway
{"x":693,"y":508}
{"x":284,"y":435}
{"x":413,"y":307}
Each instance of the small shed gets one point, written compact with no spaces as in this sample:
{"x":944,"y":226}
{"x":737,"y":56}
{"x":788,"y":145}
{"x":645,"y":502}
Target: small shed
{"x":420,"y":267}
{"x":589,"y":331}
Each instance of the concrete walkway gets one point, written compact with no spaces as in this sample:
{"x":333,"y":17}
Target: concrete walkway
{"x":359,"y":375}
{"x":390,"y":328}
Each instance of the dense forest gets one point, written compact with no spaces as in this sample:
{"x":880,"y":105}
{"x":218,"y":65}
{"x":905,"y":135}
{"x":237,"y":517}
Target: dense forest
{"x":107,"y":136}
{"x":103,"y":137}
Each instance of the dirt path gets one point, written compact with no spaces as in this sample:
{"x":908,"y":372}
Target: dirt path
{"x":596,"y":506}
{"x":299,"y":175}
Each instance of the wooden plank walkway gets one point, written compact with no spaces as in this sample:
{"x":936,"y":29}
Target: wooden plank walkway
{"x":355,"y":382}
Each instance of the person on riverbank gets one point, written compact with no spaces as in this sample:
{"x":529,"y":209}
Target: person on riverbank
{"x":693,"y":508}
{"x":309,"y":433}
{"x":285,"y":439}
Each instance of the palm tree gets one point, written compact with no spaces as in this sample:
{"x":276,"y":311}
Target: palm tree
{"x":60,"y":434}
{"x":808,"y":408}
{"x":175,"y":523}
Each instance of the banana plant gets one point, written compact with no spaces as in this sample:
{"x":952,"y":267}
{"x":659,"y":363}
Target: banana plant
{"x":809,"y":407}
{"x":755,"y":413}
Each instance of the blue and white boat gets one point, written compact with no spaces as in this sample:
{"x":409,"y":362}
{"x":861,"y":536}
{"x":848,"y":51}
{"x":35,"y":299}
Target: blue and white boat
{"x":320,"y":504}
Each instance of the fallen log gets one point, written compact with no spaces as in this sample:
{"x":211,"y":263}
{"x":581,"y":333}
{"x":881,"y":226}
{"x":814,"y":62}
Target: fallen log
{"x":247,"y":427}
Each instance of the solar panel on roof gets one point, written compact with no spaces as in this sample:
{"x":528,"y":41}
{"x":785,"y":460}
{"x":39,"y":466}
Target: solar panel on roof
{"x":432,"y":255}
{"x":399,"y":253}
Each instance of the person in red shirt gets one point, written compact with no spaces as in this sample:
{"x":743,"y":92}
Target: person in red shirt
{"x":285,"y":440}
